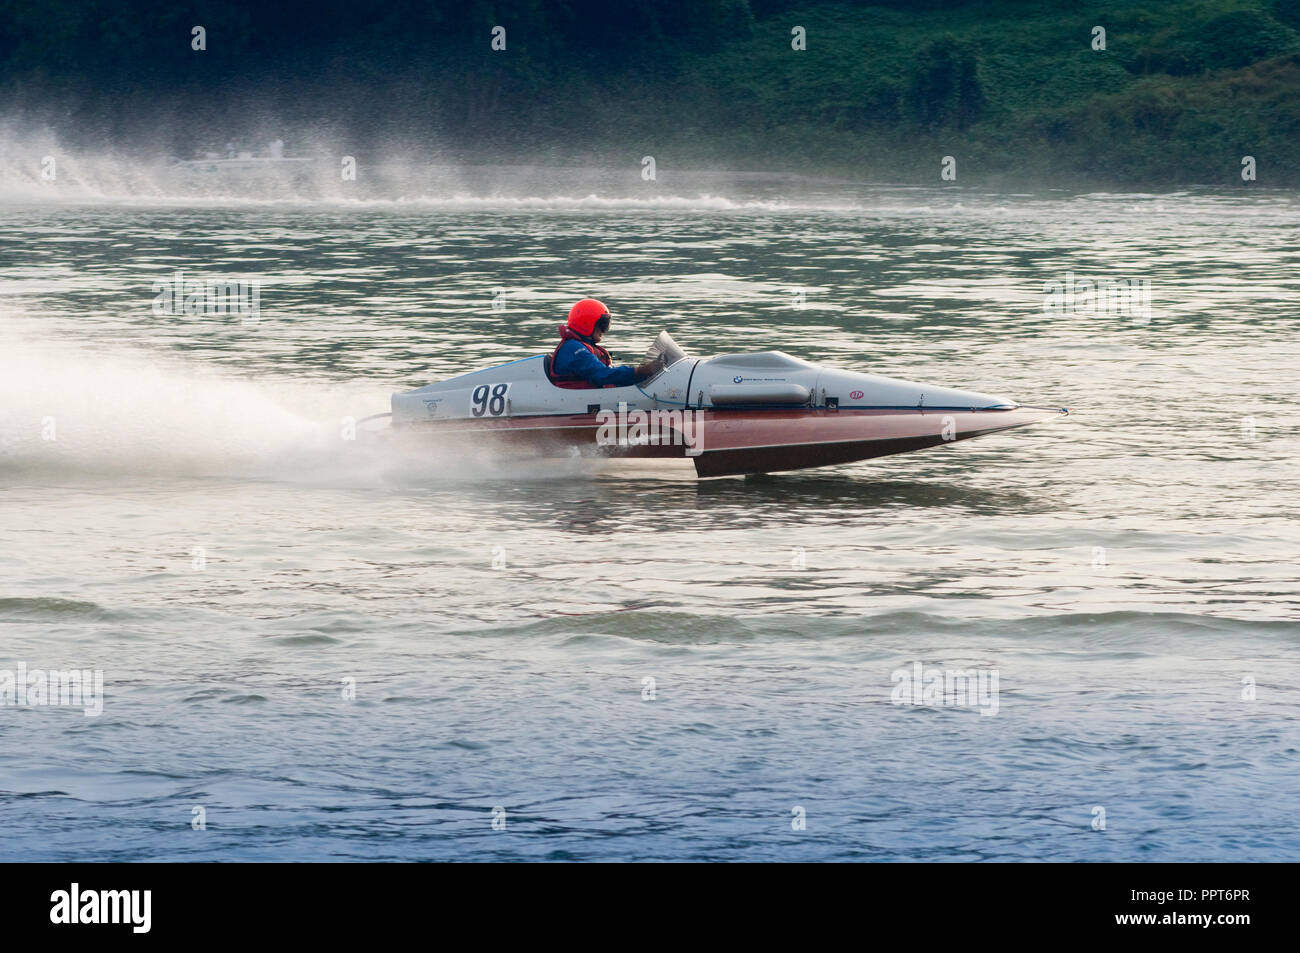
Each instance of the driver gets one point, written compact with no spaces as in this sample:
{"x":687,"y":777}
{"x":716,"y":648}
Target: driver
{"x":580,"y":361}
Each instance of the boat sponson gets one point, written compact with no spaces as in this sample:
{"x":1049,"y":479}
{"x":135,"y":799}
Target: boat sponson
{"x":753,"y":444}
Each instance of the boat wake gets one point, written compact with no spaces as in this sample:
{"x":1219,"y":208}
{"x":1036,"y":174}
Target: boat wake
{"x":71,"y":414}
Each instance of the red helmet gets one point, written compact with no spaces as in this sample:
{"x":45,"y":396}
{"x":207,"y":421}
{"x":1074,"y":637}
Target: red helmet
{"x":584,"y":315}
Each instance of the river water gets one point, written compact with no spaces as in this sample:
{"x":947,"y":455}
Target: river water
{"x":321,"y":648}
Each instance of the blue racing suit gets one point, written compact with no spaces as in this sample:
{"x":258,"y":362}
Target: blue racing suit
{"x":574,"y":360}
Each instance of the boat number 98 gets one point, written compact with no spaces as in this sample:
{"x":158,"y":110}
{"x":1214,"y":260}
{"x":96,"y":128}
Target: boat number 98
{"x":489,"y":399}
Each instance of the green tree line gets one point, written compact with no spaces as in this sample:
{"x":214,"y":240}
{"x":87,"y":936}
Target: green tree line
{"x":1178,"y":92}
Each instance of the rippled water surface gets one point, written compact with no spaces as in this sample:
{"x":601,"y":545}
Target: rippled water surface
{"x":634,"y":664}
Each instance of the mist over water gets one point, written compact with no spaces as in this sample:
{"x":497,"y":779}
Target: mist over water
{"x":1122,"y":569}
{"x":35,"y":166}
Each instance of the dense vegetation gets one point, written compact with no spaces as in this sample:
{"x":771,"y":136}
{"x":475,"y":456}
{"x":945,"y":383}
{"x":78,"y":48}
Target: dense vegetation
{"x":1015,"y":90}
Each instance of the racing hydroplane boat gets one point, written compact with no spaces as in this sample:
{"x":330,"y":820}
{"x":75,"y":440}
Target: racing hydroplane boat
{"x":732,"y":414}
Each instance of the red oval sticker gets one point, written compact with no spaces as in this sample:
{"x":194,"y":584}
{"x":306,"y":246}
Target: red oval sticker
{"x":855,"y":395}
